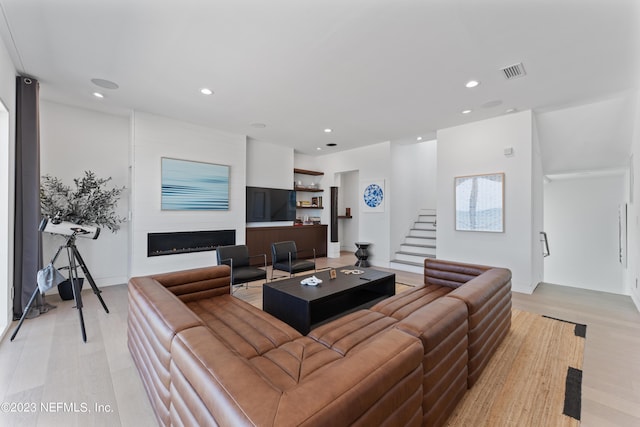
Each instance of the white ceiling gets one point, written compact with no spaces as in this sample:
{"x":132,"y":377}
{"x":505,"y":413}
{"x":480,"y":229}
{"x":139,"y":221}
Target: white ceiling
{"x":372,"y":70}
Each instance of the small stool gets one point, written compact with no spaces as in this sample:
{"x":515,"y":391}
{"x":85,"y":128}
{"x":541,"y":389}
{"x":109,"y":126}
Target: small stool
{"x":362,"y":254}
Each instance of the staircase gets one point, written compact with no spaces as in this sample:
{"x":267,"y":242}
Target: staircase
{"x":419,"y":244}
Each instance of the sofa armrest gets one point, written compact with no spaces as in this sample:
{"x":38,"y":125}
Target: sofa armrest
{"x":488,"y":299}
{"x":442,"y":326}
{"x":197,"y":283}
{"x":450,"y":273}
{"x":484,"y":292}
{"x":154,"y":317}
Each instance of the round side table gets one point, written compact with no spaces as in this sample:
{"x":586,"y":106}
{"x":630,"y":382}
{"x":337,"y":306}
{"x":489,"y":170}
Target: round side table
{"x":362,"y":254}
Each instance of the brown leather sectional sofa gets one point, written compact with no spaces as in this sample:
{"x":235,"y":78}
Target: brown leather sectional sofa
{"x":208,"y":358}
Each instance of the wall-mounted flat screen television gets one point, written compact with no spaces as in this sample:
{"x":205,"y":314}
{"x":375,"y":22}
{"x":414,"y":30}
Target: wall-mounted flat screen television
{"x":270,"y":204}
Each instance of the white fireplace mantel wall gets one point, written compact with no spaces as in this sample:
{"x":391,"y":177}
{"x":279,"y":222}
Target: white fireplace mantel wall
{"x":154,"y":137}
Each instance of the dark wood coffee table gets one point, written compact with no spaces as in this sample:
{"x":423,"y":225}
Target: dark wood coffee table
{"x":304,"y":307}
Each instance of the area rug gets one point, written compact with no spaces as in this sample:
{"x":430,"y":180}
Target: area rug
{"x":533,"y":379}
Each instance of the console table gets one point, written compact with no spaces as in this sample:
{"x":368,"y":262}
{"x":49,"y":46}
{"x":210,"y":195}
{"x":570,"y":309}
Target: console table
{"x":307,"y":238}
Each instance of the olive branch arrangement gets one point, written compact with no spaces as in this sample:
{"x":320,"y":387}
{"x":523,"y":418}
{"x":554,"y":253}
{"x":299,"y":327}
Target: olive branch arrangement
{"x":89,"y":202}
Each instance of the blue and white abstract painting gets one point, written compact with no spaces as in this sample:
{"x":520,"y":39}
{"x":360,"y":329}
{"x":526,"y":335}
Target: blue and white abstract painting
{"x":194,"y":186}
{"x":373,"y":196}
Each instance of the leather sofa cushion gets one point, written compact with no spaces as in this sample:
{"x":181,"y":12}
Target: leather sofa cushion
{"x":244,"y":328}
{"x":292,"y":362}
{"x":379,"y":384}
{"x":403,"y":304}
{"x":351,"y":330}
{"x":215,"y":383}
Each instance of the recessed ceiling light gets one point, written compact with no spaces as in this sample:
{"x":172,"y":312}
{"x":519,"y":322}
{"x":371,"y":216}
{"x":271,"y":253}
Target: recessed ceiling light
{"x":472,"y":83}
{"x":328,"y":130}
{"x":331,"y":144}
{"x":466,"y":111}
{"x":419,"y":138}
{"x":258,"y":125}
{"x":206,"y":91}
{"x":511,"y":110}
{"x":98,"y":95}
{"x":106,"y":84}
{"x":318,"y":148}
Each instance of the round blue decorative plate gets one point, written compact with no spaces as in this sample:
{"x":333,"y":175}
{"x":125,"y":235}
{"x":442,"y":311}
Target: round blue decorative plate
{"x":373,"y":195}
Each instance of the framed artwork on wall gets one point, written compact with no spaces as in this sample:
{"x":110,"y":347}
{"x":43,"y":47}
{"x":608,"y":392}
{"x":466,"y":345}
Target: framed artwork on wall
{"x":194,"y":186}
{"x":372,"y":195}
{"x":479,"y":203}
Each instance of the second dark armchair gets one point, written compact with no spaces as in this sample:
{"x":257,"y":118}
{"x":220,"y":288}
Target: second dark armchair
{"x":284,"y":256}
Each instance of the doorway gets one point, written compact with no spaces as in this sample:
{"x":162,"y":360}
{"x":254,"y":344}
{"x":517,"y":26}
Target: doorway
{"x":348,"y":225}
{"x":582,"y":220}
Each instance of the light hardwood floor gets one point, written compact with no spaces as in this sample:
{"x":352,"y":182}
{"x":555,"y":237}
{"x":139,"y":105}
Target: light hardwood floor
{"x":48,"y":369}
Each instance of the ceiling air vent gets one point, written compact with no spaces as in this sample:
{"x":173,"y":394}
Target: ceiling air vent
{"x":514,"y":71}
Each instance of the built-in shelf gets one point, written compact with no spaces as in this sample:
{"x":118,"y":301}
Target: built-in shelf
{"x":309,"y":189}
{"x":307,"y":172}
{"x":344,"y":216}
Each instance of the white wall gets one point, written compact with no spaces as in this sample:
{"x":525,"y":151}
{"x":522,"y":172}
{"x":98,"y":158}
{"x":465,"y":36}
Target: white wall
{"x":414,"y":184}
{"x":348,"y":198}
{"x":583,"y":235}
{"x":304,"y":161}
{"x":155,"y":137}
{"x":371,"y":163}
{"x":478,"y":148}
{"x":74,"y":140}
{"x":632,"y":273}
{"x":7,"y":201}
{"x":271,"y":166}
{"x":537,"y":208}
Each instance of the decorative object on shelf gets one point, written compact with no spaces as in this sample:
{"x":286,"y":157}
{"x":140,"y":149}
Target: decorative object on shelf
{"x":479,"y":203}
{"x":300,"y":185}
{"x":189,"y":185}
{"x":373,"y":199}
{"x":347,"y":212}
{"x":89,"y":203}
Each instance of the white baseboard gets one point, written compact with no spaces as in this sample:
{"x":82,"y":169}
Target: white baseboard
{"x":102,"y":282}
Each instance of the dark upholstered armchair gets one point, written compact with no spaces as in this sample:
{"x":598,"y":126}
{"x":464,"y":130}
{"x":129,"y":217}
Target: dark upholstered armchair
{"x":284,"y":256}
{"x":237,"y":257}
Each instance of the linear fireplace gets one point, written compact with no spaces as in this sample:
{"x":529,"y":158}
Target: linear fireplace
{"x":182,"y":242}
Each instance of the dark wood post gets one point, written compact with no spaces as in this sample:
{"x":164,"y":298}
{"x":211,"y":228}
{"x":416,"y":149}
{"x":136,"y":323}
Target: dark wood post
{"x":334,"y":214}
